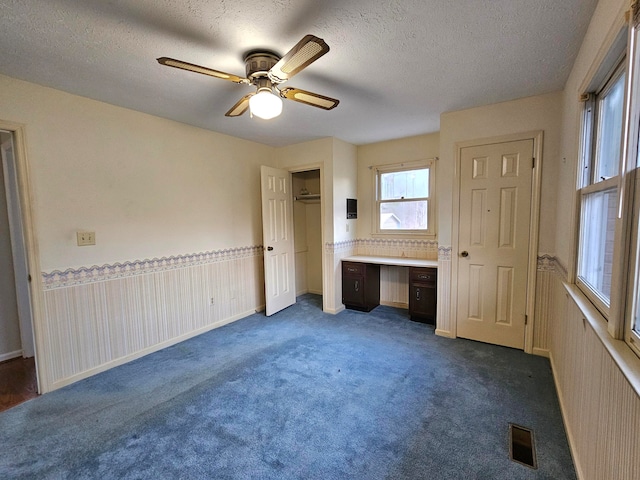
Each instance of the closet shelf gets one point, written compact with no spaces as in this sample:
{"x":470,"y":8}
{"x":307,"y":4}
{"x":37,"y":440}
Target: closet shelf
{"x":308,"y":198}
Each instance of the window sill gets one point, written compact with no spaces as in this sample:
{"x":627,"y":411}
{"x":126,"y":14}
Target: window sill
{"x":621,"y":353}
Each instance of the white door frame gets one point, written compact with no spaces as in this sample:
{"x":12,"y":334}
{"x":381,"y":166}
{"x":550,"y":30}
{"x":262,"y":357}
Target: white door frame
{"x":31,"y":248}
{"x":18,"y":252}
{"x":306,"y":168}
{"x":537,"y":137}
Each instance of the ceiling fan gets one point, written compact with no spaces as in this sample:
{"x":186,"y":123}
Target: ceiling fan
{"x":266,"y":71}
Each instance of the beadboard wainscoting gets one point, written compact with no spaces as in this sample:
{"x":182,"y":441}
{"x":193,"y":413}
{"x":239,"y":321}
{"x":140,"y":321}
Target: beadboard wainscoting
{"x":549,"y":272}
{"x":100,"y":317}
{"x":334,"y":253}
{"x":601,"y":409}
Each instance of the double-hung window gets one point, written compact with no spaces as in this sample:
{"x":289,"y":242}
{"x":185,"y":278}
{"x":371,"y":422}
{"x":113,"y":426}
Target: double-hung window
{"x":404,"y":199}
{"x":602,"y":147}
{"x":632,"y":311}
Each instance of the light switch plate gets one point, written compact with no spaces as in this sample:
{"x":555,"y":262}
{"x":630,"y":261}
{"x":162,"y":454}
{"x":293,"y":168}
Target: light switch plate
{"x":86,"y":238}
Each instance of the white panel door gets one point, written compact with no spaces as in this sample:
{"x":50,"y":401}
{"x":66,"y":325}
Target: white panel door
{"x":277,"y":238}
{"x":494,"y":224}
{"x":18,"y":249}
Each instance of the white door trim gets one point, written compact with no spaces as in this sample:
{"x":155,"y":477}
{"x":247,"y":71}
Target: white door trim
{"x":31,"y":247}
{"x":537,"y":137}
{"x":18,"y":251}
{"x":306,"y":168}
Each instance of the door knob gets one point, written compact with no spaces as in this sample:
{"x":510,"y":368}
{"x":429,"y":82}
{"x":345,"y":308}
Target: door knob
{"x":464,"y":253}
{"x":269,"y":249}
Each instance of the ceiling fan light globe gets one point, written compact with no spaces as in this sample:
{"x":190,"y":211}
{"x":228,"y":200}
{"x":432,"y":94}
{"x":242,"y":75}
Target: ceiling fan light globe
{"x":265,"y":105}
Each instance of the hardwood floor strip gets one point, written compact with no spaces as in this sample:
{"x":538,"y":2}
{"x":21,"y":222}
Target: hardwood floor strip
{"x":18,"y":382}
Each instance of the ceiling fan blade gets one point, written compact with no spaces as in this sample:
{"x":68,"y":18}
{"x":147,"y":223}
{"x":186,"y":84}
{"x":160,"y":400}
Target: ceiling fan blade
{"x":306,"y":51}
{"x":310,"y":98}
{"x":172,"y":62}
{"x":240,"y":107}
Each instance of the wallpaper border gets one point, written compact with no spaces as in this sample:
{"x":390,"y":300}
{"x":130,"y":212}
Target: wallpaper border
{"x":95,"y":273}
{"x":550,"y":263}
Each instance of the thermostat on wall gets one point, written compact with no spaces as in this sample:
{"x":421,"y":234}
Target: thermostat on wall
{"x":352,"y":208}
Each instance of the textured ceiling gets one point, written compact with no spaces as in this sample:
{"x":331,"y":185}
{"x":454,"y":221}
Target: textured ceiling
{"x":395,"y":65}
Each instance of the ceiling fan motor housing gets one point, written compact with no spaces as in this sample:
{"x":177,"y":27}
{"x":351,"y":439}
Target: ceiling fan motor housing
{"x":258,"y":64}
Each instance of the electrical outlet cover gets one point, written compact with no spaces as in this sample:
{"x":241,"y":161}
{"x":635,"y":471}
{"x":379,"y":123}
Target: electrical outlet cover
{"x":86,"y":238}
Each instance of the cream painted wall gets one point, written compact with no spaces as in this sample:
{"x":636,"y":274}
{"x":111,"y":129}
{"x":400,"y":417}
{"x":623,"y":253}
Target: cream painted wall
{"x":345,"y":181}
{"x":543,"y":112}
{"x":147,"y":186}
{"x":606,"y":22}
{"x":408,"y":149}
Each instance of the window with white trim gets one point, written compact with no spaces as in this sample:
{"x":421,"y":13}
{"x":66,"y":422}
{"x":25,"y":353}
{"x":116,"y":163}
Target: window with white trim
{"x":404,"y":199}
{"x":632,"y":326}
{"x":632,"y":297}
{"x":602,"y":147}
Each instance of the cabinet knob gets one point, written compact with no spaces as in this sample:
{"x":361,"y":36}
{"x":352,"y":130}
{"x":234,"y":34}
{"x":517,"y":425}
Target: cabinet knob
{"x":356,"y":286}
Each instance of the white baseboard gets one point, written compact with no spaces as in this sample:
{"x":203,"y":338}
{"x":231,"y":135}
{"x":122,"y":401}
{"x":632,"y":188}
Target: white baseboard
{"x":444,"y":333}
{"x":315,"y":292}
{"x":541,"y":352}
{"x":334,"y":311}
{"x":10,"y":355}
{"x":570,"y":436}
{"x":146,"y":351}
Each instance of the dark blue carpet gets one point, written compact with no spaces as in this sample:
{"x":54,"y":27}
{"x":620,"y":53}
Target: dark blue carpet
{"x":299,"y":395}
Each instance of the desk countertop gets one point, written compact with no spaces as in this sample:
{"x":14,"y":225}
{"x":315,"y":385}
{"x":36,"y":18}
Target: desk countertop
{"x":396,"y":261}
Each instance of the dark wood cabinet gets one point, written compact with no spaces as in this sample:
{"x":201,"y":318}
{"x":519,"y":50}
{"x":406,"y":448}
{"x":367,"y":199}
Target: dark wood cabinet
{"x":422,"y":294}
{"x":360,"y":285}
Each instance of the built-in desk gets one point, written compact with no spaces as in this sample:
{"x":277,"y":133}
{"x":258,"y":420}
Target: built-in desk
{"x":361,"y":284}
{"x":393,"y":261}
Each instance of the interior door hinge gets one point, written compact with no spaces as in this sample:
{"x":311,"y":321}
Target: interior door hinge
{"x":526,"y":319}
{"x":533,"y":162}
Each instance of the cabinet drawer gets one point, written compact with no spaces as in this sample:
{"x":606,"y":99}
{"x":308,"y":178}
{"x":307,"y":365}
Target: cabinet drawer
{"x":423,"y":275}
{"x":353,"y":268}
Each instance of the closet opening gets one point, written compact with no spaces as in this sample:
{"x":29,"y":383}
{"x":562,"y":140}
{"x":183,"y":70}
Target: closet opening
{"x":307,"y":226}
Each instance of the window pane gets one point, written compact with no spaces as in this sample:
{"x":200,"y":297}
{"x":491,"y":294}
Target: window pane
{"x":405,"y":184}
{"x":635,"y":267}
{"x":596,"y":241}
{"x":403,"y":215}
{"x":635,"y":326}
{"x":609,"y":133}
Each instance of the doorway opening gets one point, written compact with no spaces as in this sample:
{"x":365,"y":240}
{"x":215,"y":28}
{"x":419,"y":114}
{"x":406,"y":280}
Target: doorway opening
{"x":17,"y":367}
{"x":307,"y":228}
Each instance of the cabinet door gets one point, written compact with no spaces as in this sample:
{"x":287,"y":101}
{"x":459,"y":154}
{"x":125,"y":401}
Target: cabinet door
{"x":422,"y":302}
{"x":353,"y":290}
